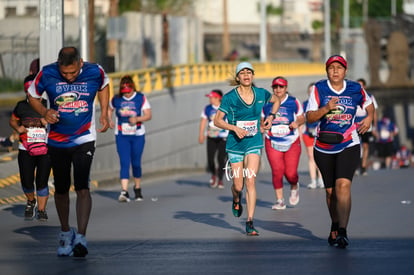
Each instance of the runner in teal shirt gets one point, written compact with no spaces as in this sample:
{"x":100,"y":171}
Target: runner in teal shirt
{"x":243,"y":106}
{"x":245,"y":116}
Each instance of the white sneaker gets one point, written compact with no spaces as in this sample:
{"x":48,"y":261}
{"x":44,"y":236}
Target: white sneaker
{"x":280,"y":205}
{"x":66,"y":242}
{"x":320,"y":183}
{"x":80,"y":246}
{"x":123,"y":197}
{"x":294,"y":196}
{"x":312,"y":185}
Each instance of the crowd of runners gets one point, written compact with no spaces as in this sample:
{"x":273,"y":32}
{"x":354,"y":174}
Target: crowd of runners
{"x":57,"y":131}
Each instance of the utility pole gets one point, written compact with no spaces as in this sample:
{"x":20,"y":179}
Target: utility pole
{"x":83,"y":29}
{"x":226,"y":37}
{"x":345,"y":31}
{"x":365,"y":10}
{"x":112,"y":44}
{"x":327,"y":28}
{"x":393,"y":8}
{"x":91,"y":32}
{"x":51,"y":30}
{"x":263,"y":33}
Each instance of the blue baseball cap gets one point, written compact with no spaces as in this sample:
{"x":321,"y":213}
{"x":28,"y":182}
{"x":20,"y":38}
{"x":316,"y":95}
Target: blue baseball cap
{"x":244,"y":65}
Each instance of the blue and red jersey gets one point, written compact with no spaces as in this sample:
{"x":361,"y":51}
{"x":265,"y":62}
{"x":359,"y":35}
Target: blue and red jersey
{"x":310,"y":128}
{"x":340,"y":120}
{"x":209,"y":113}
{"x":129,"y":107}
{"x":74,"y":102}
{"x":280,"y":132}
{"x":386,"y":130}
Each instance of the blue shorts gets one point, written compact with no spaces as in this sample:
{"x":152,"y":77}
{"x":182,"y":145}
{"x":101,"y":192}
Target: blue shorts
{"x":234,"y":158}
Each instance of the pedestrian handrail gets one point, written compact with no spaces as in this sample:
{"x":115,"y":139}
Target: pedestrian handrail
{"x":157,"y":79}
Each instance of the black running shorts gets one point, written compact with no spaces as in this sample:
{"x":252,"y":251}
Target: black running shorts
{"x":80,"y":157}
{"x":339,"y":165}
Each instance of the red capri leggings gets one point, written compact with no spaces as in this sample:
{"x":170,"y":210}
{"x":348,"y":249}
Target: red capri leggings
{"x":283,"y":163}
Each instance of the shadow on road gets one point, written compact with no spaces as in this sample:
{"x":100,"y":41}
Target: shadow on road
{"x":213,"y":219}
{"x":193,"y":183}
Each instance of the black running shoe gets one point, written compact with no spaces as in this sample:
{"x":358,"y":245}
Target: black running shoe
{"x":80,"y":246}
{"x":237,"y":207}
{"x":138,"y":194}
{"x":30,"y":210}
{"x":42,"y":215}
{"x":342,"y":238}
{"x":332,"y":238}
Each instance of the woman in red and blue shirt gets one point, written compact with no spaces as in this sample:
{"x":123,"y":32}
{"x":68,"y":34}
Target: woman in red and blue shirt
{"x":131,"y":109}
{"x":282,"y":142}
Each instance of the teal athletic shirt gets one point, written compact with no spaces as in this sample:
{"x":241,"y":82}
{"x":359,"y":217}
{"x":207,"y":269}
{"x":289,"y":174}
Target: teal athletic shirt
{"x":245,"y":116}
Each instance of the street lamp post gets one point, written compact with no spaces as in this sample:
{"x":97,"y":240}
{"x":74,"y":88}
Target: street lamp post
{"x":327,"y":28}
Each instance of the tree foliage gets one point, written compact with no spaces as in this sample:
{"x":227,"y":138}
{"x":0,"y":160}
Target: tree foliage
{"x":379,"y":9}
{"x":174,"y":7}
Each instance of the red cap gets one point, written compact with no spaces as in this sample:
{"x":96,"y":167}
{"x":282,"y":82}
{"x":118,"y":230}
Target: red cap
{"x":214,"y":94}
{"x":279,"y":81}
{"x":336,"y":58}
{"x":126,"y":88}
{"x":28,"y":81}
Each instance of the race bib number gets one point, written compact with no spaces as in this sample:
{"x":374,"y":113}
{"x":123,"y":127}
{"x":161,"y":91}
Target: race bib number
{"x":128,"y":129}
{"x":385,"y":134}
{"x":250,"y":126}
{"x":280,"y":130}
{"x":36,"y":134}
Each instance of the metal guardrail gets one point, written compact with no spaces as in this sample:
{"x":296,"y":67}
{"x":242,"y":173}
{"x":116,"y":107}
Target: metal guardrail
{"x":158,"y":79}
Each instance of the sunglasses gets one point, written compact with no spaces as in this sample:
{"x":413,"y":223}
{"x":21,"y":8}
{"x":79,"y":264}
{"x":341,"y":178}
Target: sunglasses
{"x":278,"y":86}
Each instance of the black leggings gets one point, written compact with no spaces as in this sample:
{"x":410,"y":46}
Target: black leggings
{"x":216,"y":146}
{"x":31,"y":165}
{"x":339,"y":165}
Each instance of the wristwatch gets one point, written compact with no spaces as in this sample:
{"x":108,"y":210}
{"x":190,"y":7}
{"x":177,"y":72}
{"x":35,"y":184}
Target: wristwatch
{"x":272,"y":114}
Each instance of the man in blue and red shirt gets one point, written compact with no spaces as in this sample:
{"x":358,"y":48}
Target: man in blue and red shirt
{"x":71,"y":86}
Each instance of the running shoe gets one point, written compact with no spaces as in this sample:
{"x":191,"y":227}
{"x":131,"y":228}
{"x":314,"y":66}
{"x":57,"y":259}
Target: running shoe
{"x":80,"y":246}
{"x":320,"y":183}
{"x":312,"y":185}
{"x":66,"y":243}
{"x":138,"y":194}
{"x":364,"y":171}
{"x":280,"y":205}
{"x":250,"y":230}
{"x":342,"y":238}
{"x":30,"y":210}
{"x":332,"y":238}
{"x":237,"y":207}
{"x":213,"y":182}
{"x":124,"y":196}
{"x":42,"y":215}
{"x":294,"y":196}
{"x":220,"y":184}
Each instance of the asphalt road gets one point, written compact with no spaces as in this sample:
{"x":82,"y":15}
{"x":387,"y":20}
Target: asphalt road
{"x":184,"y":227}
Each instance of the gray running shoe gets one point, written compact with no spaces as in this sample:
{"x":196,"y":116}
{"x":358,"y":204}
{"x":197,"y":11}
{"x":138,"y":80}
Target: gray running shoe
{"x":30,"y":210}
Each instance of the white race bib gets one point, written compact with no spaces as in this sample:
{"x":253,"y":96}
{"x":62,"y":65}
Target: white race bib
{"x":280,"y":130}
{"x":128,"y":129}
{"x":36,"y":134}
{"x":250,"y":126}
{"x":385,"y":134}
